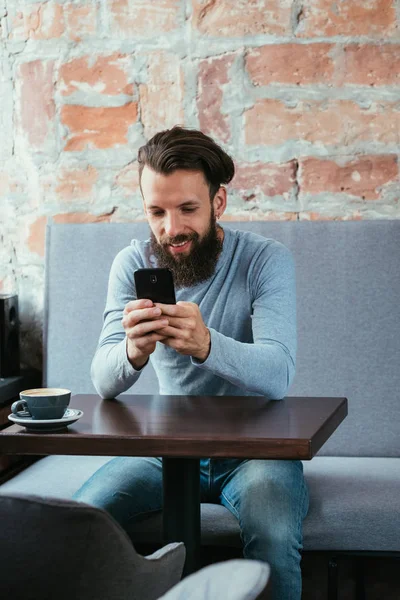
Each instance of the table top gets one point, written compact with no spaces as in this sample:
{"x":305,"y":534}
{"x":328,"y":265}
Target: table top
{"x":188,"y":426}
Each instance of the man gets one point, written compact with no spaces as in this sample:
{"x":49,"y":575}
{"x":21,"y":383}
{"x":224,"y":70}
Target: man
{"x":232,"y":332}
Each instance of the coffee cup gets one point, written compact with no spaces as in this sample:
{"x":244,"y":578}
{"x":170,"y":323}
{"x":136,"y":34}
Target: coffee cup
{"x":42,"y":403}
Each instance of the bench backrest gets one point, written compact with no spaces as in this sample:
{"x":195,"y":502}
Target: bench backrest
{"x":348,"y":293}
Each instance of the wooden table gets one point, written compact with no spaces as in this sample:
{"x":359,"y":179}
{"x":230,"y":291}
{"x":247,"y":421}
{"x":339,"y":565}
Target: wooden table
{"x":183,"y":429}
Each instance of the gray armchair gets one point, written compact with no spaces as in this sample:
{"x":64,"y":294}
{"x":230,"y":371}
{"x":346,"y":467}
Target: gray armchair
{"x":53,"y":548}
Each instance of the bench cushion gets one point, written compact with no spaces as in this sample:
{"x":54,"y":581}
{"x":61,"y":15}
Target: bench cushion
{"x":354,"y":502}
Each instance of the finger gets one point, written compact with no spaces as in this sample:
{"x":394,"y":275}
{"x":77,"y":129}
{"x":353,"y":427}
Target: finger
{"x":146,"y":327}
{"x":147,"y":345}
{"x":149,"y":340}
{"x":182,"y":322}
{"x":172,"y":310}
{"x":143,"y":314}
{"x":173,"y":332}
{"x":137,"y":304}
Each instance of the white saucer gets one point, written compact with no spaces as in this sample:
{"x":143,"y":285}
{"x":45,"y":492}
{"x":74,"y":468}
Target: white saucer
{"x":71,"y":415}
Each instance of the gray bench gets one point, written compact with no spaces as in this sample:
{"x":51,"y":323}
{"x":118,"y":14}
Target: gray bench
{"x":348,"y":345}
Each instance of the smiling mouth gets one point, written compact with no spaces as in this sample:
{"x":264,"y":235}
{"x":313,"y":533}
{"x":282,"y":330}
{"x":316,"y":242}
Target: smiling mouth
{"x":181,"y":247}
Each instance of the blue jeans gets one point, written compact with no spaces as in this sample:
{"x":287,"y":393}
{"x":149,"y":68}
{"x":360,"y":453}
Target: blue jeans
{"x":268,"y":497}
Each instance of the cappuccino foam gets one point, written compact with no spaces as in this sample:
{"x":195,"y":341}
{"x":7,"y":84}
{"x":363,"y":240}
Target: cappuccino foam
{"x":46,"y":392}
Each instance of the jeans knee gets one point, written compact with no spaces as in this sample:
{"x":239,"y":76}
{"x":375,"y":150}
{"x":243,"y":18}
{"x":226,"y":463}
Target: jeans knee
{"x":125,"y":487}
{"x":271,"y":500}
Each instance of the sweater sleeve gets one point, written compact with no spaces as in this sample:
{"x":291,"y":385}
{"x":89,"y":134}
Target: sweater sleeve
{"x":111,"y":371}
{"x":266,"y":366}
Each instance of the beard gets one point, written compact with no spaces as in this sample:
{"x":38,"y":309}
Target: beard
{"x":196,"y":267}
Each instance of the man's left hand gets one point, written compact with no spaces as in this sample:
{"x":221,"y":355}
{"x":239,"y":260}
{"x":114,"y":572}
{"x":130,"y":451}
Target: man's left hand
{"x":186,"y":331}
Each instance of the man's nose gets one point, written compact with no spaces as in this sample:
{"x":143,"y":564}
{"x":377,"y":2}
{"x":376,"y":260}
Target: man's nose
{"x":172,"y":225}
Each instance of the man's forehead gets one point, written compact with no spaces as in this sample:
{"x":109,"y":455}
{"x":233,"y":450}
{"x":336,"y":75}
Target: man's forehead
{"x":179,"y":186}
{"x":178,"y":177}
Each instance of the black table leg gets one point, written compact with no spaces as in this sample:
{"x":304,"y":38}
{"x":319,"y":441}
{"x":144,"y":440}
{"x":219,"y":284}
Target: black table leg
{"x":181,"y":508}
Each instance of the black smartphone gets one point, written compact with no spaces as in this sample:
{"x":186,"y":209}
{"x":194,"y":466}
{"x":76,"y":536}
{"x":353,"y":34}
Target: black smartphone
{"x":156,"y":285}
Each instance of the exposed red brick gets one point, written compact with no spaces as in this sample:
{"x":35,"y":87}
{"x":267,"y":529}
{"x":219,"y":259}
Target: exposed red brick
{"x":40,"y":21}
{"x":36,"y":238}
{"x":76,"y":184}
{"x":104,"y":75}
{"x":213,"y":76}
{"x":37,"y":109}
{"x":242,"y":17}
{"x":97,"y":127}
{"x":161,"y":97}
{"x":271,"y":122}
{"x":80,"y":20}
{"x":271,"y":179}
{"x":298,"y":64}
{"x":370,"y":64}
{"x":49,"y":20}
{"x":128,"y":179}
{"x":362,"y":176}
{"x":143,"y":18}
{"x":354,"y":17}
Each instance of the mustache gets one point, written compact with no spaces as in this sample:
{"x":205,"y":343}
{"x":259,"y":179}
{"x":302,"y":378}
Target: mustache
{"x":179,"y":239}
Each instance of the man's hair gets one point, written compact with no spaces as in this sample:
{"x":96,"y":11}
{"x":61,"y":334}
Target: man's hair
{"x":188,"y":149}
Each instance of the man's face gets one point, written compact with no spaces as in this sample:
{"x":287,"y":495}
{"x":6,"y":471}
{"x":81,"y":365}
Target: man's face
{"x":185,"y":237}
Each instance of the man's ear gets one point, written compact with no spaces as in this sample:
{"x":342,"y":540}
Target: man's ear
{"x":219,"y":202}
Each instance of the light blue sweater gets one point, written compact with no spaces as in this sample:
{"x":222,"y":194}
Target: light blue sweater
{"x":249,"y":306}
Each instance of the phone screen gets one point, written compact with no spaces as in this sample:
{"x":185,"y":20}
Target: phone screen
{"x":156,"y":285}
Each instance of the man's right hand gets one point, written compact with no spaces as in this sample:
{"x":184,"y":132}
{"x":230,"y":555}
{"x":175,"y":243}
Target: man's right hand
{"x":141,"y":320}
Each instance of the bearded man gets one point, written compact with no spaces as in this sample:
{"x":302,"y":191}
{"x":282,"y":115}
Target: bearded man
{"x":231,"y":332}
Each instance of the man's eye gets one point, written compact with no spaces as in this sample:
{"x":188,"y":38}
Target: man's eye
{"x":188,"y":209}
{"x":156,"y":213}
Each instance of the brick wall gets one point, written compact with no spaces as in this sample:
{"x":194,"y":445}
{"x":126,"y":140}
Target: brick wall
{"x":304,"y":93}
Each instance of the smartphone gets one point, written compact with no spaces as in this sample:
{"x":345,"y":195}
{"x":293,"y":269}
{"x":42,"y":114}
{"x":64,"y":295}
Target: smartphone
{"x":156,"y":285}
